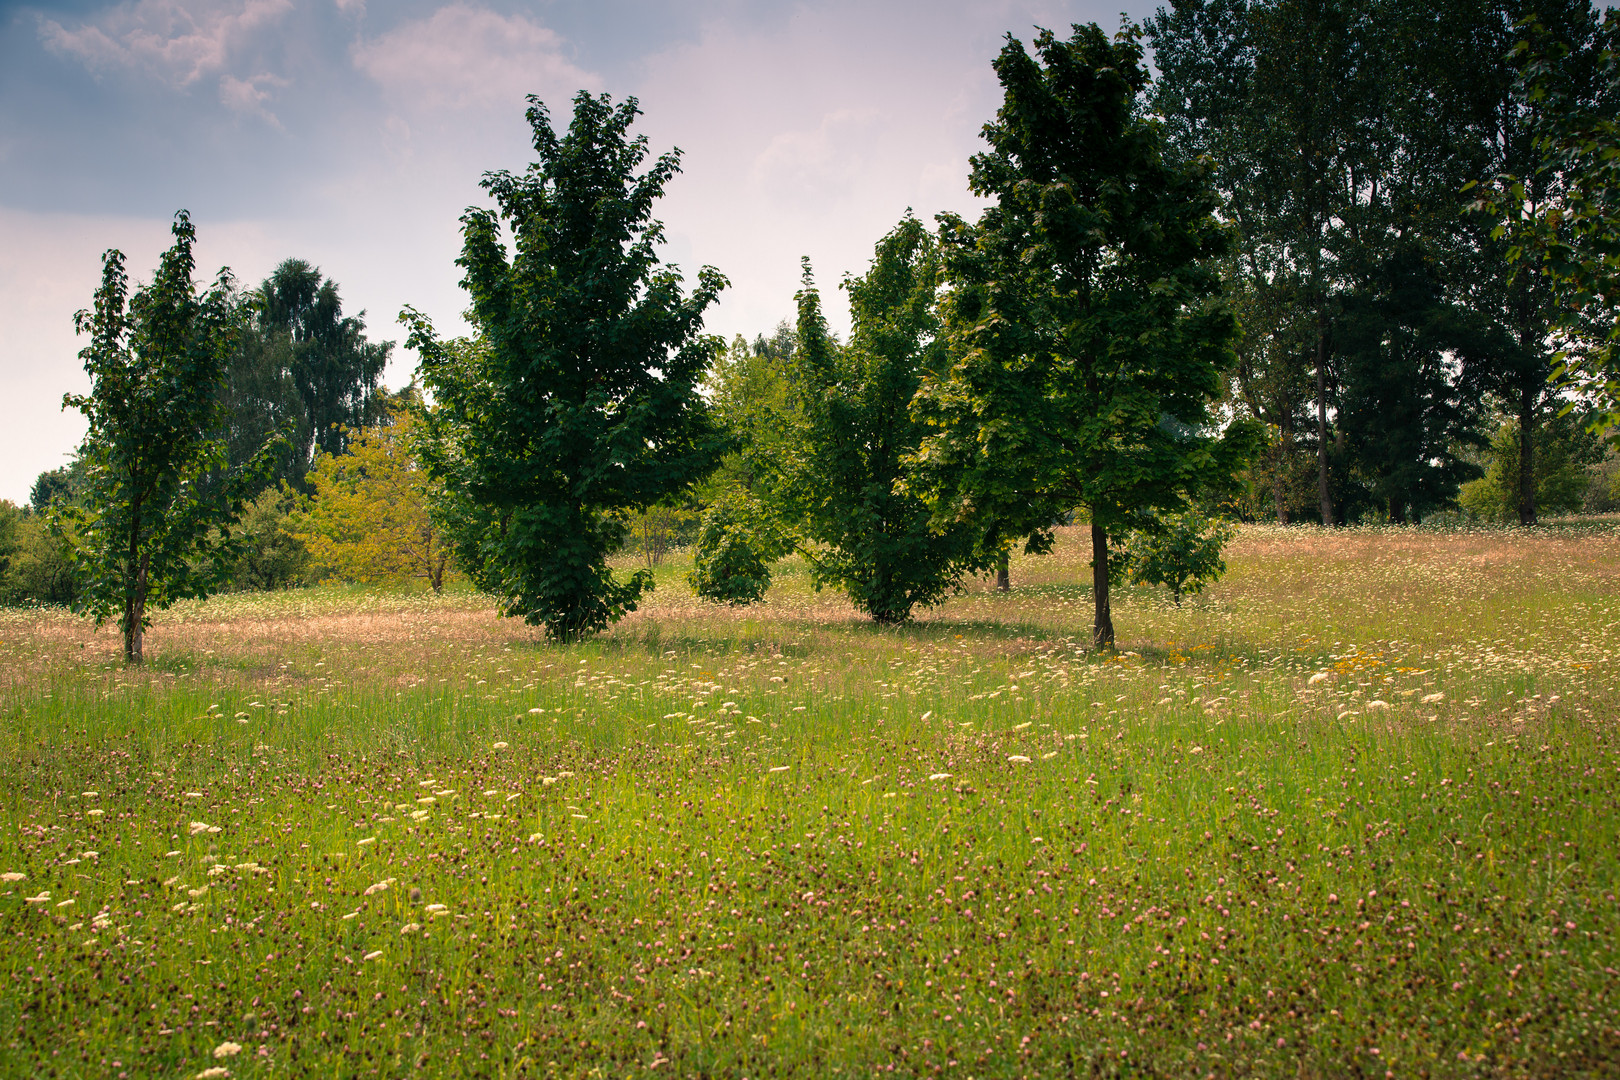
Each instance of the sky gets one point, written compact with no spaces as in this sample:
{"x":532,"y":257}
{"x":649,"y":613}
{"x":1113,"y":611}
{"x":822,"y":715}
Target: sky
{"x":353,"y":135}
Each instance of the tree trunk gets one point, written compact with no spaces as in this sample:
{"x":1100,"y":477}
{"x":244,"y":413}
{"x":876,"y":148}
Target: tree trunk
{"x":1527,"y":455}
{"x":1102,"y":627}
{"x":1003,"y":578}
{"x":135,"y":615}
{"x":1323,"y":493}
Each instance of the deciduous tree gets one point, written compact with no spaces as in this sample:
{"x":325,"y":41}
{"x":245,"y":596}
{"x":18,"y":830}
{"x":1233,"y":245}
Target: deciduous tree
{"x":579,"y":402}
{"x":148,"y":531}
{"x":1086,"y":324}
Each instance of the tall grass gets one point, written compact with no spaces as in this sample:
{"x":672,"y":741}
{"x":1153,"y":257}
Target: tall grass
{"x":1351,"y":814}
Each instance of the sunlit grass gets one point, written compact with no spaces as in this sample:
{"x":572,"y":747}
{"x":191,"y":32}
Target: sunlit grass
{"x":1351,"y":813}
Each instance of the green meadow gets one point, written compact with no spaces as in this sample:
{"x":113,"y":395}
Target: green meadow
{"x":1351,"y":813}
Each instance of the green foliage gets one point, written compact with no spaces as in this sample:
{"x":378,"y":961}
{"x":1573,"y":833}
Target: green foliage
{"x":39,"y":564}
{"x":1181,"y":551}
{"x":1564,"y":452}
{"x":1087,"y":330}
{"x":62,"y":484}
{"x":732,"y":556}
{"x":875,"y":538}
{"x":1560,"y":215}
{"x":302,"y":367}
{"x":272,"y":556}
{"x":1406,"y":418}
{"x":368,"y":519}
{"x":149,"y":531}
{"x":578,"y":402}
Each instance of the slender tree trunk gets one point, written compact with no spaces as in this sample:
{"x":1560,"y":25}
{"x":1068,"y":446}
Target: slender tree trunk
{"x":1527,"y":455}
{"x":1003,"y":577}
{"x":1102,"y":627}
{"x":1323,"y":492}
{"x":135,"y":596}
{"x":135,"y":615}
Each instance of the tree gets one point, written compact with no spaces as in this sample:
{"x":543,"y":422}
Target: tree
{"x":1406,"y":414}
{"x":368,"y":519}
{"x":743,"y":530}
{"x":1286,"y":99}
{"x":871,"y":536}
{"x":302,"y":367}
{"x":1556,"y":211}
{"x":1181,"y":551}
{"x":149,"y":532}
{"x":1564,"y":452}
{"x":579,"y":401}
{"x":1085,"y":322}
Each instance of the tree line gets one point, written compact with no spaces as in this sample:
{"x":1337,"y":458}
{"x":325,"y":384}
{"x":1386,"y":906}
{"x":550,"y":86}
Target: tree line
{"x":1339,"y":258}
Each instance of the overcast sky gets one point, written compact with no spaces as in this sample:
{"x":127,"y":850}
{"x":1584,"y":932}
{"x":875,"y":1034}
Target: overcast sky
{"x":353,"y":135}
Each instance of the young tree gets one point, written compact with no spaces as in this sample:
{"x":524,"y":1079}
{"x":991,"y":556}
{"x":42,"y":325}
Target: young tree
{"x":871,"y":536}
{"x":148,"y":531}
{"x":1086,"y":326}
{"x":743,"y":530}
{"x":580,"y":401}
{"x":1181,"y":551}
{"x":368,"y":518}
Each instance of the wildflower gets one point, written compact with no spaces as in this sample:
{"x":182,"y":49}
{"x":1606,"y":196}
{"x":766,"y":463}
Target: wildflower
{"x":90,"y":795}
{"x":434,"y":909}
{"x":487,"y":794}
{"x":198,"y":827}
{"x":1347,"y":712}
{"x":12,"y":875}
{"x":564,"y":775}
{"x":419,"y":815}
{"x":94,"y":813}
{"x":40,"y":899}
{"x":227,"y":1049}
{"x":212,"y":1072}
{"x":194,"y":794}
{"x":928,"y":714}
{"x":1049,"y":755}
{"x":1025,"y":724}
{"x":1430,"y":699}
{"x":941,"y":775}
{"x":91,"y":855}
{"x":534,"y":838}
{"x":780,"y":768}
{"x":351,"y":915}
{"x":171,"y":881}
{"x":427,"y":800}
{"x":536,"y":712}
{"x":374,"y":955}
{"x":196,"y":893}
{"x":372,"y":890}
{"x":367,"y":840}
{"x":1319,"y":677}
{"x":1196,"y":750}
{"x":410,"y":928}
{"x":1018,"y":759}
{"x":1377,"y":704}
{"x":170,"y":854}
{"x":65,"y":903}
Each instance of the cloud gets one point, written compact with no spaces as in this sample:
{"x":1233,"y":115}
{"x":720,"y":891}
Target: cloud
{"x":247,"y":96}
{"x":178,"y":41}
{"x":465,"y":57}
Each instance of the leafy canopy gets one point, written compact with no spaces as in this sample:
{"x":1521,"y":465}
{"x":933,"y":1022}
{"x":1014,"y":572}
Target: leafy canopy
{"x":578,"y":401}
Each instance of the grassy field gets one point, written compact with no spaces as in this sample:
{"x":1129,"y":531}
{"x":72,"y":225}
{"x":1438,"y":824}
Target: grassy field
{"x":1353,"y":813}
